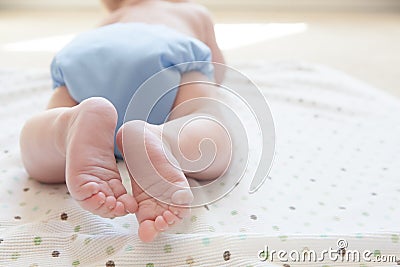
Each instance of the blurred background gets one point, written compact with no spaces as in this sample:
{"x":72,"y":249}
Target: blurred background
{"x":359,"y":37}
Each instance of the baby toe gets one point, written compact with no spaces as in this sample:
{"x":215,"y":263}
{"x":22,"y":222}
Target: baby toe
{"x":117,"y":187}
{"x":129,"y":202}
{"x":147,"y":231}
{"x":160,"y":224}
{"x":85,"y":191}
{"x":106,"y":209}
{"x":119,"y":210}
{"x":182,"y":197}
{"x":94,"y":202}
{"x":170,"y":218}
{"x":181,"y":213}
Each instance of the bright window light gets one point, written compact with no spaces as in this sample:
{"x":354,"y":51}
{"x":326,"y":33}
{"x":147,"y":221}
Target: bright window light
{"x":48,"y":44}
{"x":231,"y":36}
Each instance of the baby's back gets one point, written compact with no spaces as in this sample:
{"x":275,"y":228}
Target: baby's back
{"x":185,"y":17}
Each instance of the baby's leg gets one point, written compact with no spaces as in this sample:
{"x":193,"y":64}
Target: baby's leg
{"x":153,"y":153}
{"x":41,"y":139}
{"x":198,"y":132}
{"x":76,"y":145}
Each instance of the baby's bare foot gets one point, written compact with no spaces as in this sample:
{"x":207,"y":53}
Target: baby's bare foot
{"x":92,"y":175}
{"x":159,"y":186}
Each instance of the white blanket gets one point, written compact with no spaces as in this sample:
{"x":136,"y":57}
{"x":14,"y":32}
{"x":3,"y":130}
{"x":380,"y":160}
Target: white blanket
{"x":335,"y":176}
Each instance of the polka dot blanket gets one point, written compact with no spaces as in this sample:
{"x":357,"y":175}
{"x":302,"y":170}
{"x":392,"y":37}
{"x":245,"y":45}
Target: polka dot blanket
{"x":334,"y":187}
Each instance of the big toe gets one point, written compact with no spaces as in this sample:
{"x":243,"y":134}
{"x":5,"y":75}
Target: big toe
{"x":129,"y":202}
{"x":182,"y":197}
{"x":147,"y":231}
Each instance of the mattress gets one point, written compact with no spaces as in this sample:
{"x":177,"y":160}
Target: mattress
{"x":334,"y":185}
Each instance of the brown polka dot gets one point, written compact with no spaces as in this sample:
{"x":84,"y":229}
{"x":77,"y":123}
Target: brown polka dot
{"x":64,"y":216}
{"x":227,"y":255}
{"x":55,"y":253}
{"x":110,"y":264}
{"x":26,"y":189}
{"x":286,"y":265}
{"x":17,"y":217}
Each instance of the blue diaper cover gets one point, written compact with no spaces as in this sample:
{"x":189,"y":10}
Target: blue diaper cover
{"x":113,"y":61}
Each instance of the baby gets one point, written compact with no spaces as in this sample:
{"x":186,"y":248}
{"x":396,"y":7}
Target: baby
{"x":78,"y":137}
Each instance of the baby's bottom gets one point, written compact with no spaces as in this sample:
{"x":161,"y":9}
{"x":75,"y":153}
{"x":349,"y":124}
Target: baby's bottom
{"x":75,"y":144}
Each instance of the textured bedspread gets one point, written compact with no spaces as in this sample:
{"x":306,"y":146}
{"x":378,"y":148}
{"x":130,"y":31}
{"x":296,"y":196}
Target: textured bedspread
{"x":336,"y":176}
